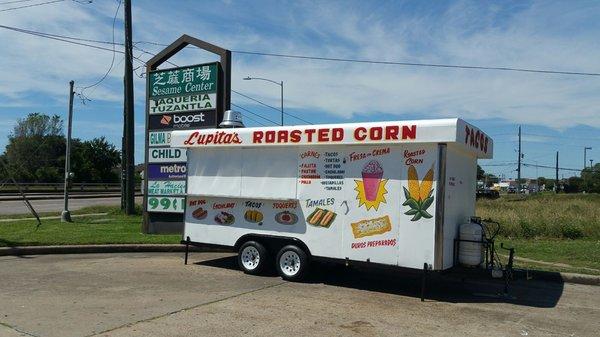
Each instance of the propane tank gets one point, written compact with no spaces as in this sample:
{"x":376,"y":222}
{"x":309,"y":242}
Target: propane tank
{"x":471,"y":253}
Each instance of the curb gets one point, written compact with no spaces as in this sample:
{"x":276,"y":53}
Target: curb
{"x":592,"y":280}
{"x":539,"y":275}
{"x":89,"y":249}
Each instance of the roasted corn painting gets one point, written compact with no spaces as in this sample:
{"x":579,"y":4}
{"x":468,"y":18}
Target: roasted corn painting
{"x":419,"y":195}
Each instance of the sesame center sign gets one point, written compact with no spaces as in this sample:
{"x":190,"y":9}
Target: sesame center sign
{"x":184,"y":81}
{"x":181,"y":98}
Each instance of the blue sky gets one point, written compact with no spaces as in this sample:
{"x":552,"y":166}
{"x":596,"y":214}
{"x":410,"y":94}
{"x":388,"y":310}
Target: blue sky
{"x":557,"y":112}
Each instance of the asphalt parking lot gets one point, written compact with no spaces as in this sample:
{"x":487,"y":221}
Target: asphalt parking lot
{"x":154,"y":294}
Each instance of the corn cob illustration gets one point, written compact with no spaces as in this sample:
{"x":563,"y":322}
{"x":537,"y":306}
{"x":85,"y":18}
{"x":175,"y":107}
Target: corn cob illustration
{"x":413,"y":182}
{"x":419,"y":195}
{"x":426,"y":184}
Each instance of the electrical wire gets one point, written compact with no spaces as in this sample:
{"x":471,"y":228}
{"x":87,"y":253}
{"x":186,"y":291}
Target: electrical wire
{"x":566,"y":137}
{"x":112,"y":62}
{"x":253,"y":113}
{"x":560,"y":168}
{"x":270,"y":106}
{"x":56,"y":37}
{"x":32,"y":5}
{"x":415,"y":64}
{"x":14,"y":2}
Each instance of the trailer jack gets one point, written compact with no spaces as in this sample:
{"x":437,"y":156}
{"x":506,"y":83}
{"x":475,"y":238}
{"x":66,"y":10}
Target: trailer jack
{"x":424,"y":280}
{"x":187,"y":249}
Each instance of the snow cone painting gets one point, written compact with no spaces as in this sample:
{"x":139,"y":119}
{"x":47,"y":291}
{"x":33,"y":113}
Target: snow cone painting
{"x":371,"y":189}
{"x":371,"y":175}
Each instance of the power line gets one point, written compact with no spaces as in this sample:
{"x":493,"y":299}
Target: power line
{"x":565,"y":137}
{"x":14,"y":2}
{"x":270,"y":106}
{"x":33,"y":32}
{"x":112,"y":62}
{"x":490,"y":165}
{"x":257,"y":115}
{"x":254,"y":120}
{"x":560,"y":168}
{"x":415,"y":64}
{"x":32,"y":5}
{"x":63,"y":39}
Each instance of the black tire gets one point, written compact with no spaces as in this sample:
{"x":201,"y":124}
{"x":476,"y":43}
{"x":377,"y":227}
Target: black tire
{"x":252,"y":257}
{"x":292,"y":263}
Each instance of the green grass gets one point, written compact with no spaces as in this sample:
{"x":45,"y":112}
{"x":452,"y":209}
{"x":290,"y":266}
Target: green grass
{"x":114,"y":228}
{"x":85,"y":210}
{"x":535,"y":226}
{"x":576,"y":256}
{"x":545,"y":215}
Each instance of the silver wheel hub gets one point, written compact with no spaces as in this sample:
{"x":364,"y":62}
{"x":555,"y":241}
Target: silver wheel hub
{"x":250,"y":257}
{"x":289,"y":263}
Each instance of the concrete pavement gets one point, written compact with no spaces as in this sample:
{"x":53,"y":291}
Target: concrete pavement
{"x":152,"y":294}
{"x":56,"y":205}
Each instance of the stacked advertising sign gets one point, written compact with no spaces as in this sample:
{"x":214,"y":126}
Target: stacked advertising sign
{"x":178,"y":99}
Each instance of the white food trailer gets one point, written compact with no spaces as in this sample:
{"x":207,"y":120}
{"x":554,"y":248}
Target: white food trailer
{"x":392,"y":193}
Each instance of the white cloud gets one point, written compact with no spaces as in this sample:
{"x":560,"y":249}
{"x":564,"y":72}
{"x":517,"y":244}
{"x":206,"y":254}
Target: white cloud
{"x":543,"y":35}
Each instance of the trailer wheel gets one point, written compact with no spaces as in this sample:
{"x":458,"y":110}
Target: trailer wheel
{"x":252,"y":257}
{"x":291,"y":263}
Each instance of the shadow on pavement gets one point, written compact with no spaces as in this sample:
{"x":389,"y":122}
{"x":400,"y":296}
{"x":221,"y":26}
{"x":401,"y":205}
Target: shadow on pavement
{"x":446,"y":287}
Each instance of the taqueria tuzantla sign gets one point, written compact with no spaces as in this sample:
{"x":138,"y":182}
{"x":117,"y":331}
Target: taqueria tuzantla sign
{"x":175,"y":104}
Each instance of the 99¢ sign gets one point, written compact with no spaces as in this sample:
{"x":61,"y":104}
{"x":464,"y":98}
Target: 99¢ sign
{"x":166,"y":204}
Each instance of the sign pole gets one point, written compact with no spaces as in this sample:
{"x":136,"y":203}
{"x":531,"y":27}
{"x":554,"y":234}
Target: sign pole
{"x":65,"y":216}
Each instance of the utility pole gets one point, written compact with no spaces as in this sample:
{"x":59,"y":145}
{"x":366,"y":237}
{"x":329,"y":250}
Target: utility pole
{"x":519,"y":164}
{"x":123,"y":172}
{"x":65,"y":216}
{"x":556,"y":182}
{"x":129,"y":127}
{"x":281,"y":103}
{"x":585,"y":155}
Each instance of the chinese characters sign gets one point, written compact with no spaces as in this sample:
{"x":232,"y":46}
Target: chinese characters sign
{"x":180,"y":98}
{"x":184,"y":81}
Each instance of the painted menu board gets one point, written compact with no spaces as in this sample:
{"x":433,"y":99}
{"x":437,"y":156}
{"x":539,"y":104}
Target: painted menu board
{"x":360,"y":201}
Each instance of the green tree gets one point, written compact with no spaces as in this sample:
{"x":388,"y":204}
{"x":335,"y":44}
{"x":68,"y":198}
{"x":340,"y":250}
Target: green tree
{"x":95,"y":160}
{"x":574,"y":185}
{"x":591,"y":179}
{"x":35,"y":150}
{"x":480,"y":172}
{"x":37,"y":124}
{"x":36,"y":153}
